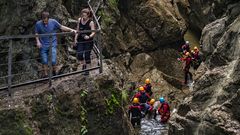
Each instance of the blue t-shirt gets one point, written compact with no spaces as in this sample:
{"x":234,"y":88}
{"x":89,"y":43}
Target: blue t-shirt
{"x":51,"y":27}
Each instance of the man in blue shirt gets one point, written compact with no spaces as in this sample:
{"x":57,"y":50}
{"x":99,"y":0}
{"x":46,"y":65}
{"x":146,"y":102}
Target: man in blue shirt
{"x":46,"y":26}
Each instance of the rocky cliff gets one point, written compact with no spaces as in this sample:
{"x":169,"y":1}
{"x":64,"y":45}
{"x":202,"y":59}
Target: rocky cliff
{"x":139,"y":39}
{"x":142,"y":37}
{"x":213,"y":106}
{"x":73,"y":105}
{"x":200,"y":13}
{"x":145,"y":25}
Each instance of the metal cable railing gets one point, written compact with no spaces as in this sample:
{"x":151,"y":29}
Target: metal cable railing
{"x":28,"y":66}
{"x":20,"y":61}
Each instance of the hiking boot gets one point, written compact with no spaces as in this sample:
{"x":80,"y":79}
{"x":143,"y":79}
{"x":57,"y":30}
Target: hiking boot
{"x":86,"y":73}
{"x":45,"y":76}
{"x":54,"y":73}
{"x":185,"y":83}
{"x":84,"y":67}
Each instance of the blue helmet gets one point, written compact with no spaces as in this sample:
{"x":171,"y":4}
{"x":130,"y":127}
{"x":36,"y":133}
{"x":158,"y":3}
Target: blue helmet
{"x":162,"y":100}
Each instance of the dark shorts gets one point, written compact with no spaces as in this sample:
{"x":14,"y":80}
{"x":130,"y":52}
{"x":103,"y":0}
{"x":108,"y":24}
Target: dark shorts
{"x":84,"y":51}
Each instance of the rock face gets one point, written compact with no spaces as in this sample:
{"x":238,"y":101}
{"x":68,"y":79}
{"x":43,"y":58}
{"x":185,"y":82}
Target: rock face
{"x":75,"y":105}
{"x":211,"y":35}
{"x":156,"y":27}
{"x":140,"y":39}
{"x":211,"y":108}
{"x":213,"y":32}
{"x":203,"y":12}
{"x":19,"y":18}
{"x":142,"y":36}
{"x":22,"y":15}
{"x":144,"y":25}
{"x":158,"y":19}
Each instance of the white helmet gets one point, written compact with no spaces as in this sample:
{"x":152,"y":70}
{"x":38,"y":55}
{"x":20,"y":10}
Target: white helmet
{"x":187,"y":42}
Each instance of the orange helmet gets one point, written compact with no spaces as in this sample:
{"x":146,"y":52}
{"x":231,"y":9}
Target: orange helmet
{"x":141,"y":88}
{"x":152,"y":101}
{"x":147,"y":81}
{"x":135,"y":100}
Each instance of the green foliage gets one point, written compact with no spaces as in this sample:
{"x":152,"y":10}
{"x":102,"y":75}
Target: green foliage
{"x":83,"y":114}
{"x":83,"y":130}
{"x":112,"y":104}
{"x":113,"y":3}
{"x":28,"y":130}
{"x":49,"y":98}
{"x":83,"y":93}
{"x":13,"y":122}
{"x":106,"y":19}
{"x":157,"y":96}
{"x":61,"y":114}
{"x":109,"y":15}
{"x":125,"y":95}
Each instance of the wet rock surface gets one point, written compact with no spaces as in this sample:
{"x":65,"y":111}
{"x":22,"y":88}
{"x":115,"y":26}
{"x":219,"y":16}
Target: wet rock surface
{"x":209,"y":107}
{"x":153,"y":127}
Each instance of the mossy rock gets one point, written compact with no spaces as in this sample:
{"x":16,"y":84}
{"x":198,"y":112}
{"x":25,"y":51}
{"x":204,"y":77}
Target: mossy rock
{"x":13,"y":122}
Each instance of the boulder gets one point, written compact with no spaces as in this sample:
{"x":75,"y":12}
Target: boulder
{"x":141,"y":64}
{"x":144,"y":25}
